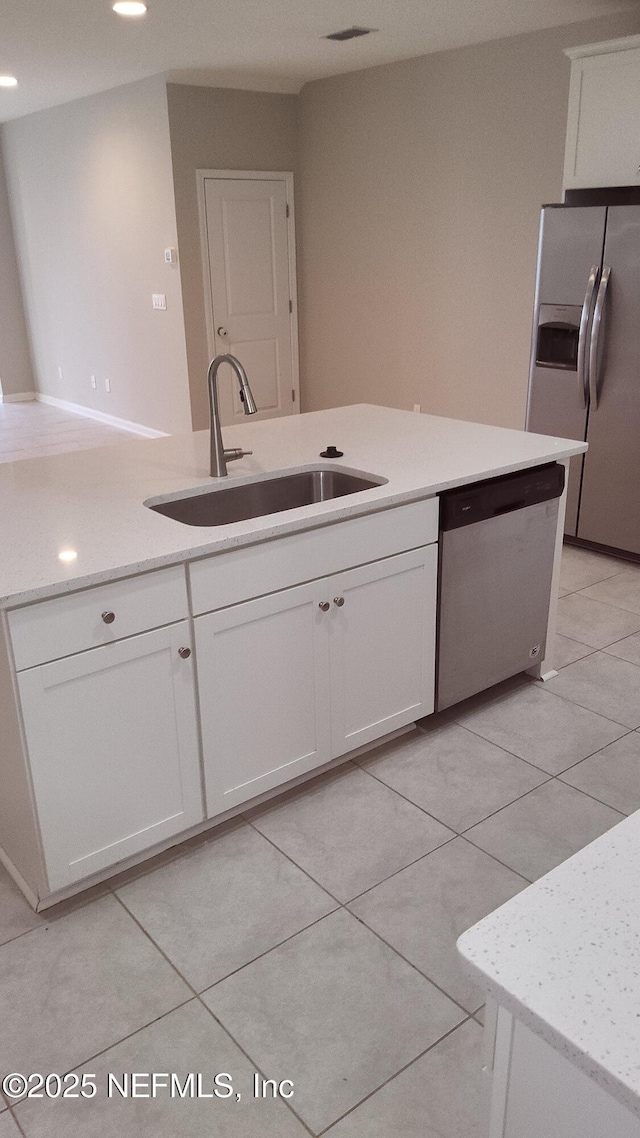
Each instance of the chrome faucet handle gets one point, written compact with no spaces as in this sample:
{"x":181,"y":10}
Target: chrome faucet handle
{"x":233,"y":453}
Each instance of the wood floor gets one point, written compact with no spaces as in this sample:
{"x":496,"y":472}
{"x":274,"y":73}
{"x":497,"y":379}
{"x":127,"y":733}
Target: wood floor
{"x":28,"y":430}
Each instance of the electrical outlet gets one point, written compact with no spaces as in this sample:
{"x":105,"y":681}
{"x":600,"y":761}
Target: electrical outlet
{"x":159,"y":300}
{"x":416,"y":407}
{"x":94,"y":382}
{"x":60,"y":373}
{"x":107,"y":385}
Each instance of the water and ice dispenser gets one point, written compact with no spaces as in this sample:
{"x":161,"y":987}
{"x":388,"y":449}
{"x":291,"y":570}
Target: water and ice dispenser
{"x":557,"y":336}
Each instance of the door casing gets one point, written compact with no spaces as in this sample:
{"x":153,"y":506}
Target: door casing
{"x":253,"y":175}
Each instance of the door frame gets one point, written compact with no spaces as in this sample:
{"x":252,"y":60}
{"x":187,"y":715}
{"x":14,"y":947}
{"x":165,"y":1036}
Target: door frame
{"x":253,"y":176}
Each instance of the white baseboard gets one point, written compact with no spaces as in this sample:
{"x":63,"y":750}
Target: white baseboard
{"x":100,"y":416}
{"x":18,"y":397}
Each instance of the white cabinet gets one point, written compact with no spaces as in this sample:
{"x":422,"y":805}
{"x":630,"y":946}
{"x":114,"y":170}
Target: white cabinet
{"x":603,"y":126}
{"x":291,"y":680}
{"x":382,"y":647}
{"x":264,"y":693}
{"x":113,"y":749}
{"x":539,"y":1093}
{"x":306,"y":648}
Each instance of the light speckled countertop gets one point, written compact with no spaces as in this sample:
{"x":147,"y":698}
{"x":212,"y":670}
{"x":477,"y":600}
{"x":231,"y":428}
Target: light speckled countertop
{"x":564,"y":957}
{"x":91,"y":501}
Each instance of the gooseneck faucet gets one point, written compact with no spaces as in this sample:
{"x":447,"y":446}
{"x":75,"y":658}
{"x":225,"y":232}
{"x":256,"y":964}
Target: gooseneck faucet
{"x":219,"y":456}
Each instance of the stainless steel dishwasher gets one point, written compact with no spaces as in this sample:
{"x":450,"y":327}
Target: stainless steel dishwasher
{"x":497,"y":541}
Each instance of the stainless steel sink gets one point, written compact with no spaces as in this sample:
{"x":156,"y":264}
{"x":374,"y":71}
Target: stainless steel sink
{"x":269,"y":496}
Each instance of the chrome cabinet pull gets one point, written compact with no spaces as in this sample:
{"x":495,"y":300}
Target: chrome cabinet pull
{"x":583,"y":358}
{"x":108,"y":617}
{"x":184,"y":652}
{"x":324,"y":606}
{"x":596,"y":332}
{"x":339,"y":601}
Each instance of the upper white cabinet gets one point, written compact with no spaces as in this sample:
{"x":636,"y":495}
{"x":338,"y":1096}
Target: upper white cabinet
{"x":603,"y":126}
{"x":113,"y":750}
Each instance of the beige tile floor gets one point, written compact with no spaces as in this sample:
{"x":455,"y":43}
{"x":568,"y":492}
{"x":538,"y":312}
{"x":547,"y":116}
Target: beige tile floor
{"x":313,"y":939}
{"x":29,"y":430}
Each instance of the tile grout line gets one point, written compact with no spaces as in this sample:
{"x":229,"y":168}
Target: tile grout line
{"x":198,"y":996}
{"x":411,"y":1062}
{"x":461,"y":833}
{"x":417,"y":806}
{"x":542,"y":686}
{"x":397,"y":872}
{"x":558,"y":774}
{"x":575,"y":703}
{"x":588,"y":794}
{"x":97,"y":1054}
{"x":344,"y":905}
{"x":465,"y":1011}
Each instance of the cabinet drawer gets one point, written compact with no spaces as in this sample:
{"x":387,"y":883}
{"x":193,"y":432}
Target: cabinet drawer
{"x":229,"y":578}
{"x":64,"y":625}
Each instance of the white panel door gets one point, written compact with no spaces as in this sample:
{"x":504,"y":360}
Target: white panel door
{"x":113,"y":747}
{"x":263,"y":679}
{"x":249,"y":270}
{"x":382,"y":647}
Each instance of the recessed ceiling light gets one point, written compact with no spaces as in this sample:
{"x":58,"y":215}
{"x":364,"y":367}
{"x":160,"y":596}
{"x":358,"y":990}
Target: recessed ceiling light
{"x":129,"y":7}
{"x":8,"y":81}
{"x":67,"y":555}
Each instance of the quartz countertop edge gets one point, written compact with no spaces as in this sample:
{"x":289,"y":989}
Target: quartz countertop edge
{"x":92,"y":501}
{"x":563,"y":957}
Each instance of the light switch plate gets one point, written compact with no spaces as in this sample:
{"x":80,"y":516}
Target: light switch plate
{"x":159,"y":300}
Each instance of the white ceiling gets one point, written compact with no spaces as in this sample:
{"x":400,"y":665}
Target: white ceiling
{"x":64,"y":49}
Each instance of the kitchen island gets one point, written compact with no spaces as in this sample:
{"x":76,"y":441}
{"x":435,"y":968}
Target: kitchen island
{"x":560,"y":964}
{"x":157,"y":677}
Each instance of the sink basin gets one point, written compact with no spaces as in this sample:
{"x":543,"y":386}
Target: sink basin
{"x":270,"y":496}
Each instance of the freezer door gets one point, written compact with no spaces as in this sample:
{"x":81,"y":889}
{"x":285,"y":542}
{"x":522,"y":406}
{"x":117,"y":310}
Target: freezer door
{"x":610,"y":502}
{"x":570,"y":250}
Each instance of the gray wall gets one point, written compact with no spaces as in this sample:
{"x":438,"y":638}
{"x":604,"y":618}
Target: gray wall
{"x":420,"y":188}
{"x":218,"y":129}
{"x":92,"y":198}
{"x":16,"y":373}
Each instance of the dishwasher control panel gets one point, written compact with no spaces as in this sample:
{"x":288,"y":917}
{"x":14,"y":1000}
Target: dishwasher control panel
{"x":494,"y":496}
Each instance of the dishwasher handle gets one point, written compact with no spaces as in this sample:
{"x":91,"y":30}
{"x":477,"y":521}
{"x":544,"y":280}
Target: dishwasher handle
{"x":494,"y":497}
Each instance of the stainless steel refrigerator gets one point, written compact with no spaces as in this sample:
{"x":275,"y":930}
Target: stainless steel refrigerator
{"x":584,"y":379}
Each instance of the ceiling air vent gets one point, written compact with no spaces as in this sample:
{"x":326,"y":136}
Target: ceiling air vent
{"x":349,"y":34}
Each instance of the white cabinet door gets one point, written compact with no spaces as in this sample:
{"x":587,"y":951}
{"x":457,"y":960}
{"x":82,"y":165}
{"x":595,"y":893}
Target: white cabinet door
{"x":603,"y":127}
{"x":539,"y":1093}
{"x":263,"y":680}
{"x":382,"y":647}
{"x":113,"y":747}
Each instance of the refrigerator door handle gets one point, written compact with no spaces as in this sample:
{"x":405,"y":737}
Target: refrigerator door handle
{"x":585,"y":319}
{"x":596,"y":331}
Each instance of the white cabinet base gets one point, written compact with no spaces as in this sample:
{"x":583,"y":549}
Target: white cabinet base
{"x":113,"y":749}
{"x":264,"y":693}
{"x":47,"y":900}
{"x":538,"y":1093}
{"x":382,"y":647}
